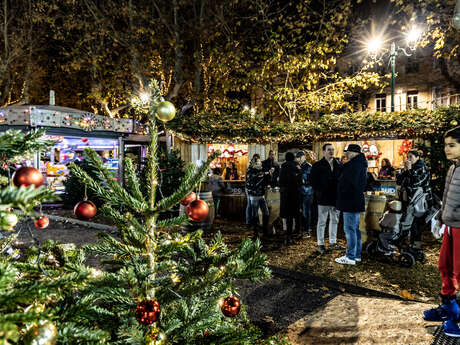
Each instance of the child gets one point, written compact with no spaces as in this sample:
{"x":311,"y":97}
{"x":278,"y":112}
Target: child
{"x":390,"y":224}
{"x":449,"y":257}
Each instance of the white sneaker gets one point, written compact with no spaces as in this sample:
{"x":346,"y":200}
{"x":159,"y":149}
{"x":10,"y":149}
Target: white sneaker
{"x":358,"y":259}
{"x":345,"y":261}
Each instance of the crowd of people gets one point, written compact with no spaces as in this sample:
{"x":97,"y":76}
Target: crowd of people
{"x":336,"y":187}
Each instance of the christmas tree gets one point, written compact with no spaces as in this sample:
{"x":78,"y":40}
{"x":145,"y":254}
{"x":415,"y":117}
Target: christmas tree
{"x":161,"y":286}
{"x":25,"y":286}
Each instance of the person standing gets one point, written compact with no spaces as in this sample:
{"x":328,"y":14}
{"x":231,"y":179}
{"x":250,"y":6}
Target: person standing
{"x":306,"y":195}
{"x":350,"y":200}
{"x":290,"y":181}
{"x":273,"y":167}
{"x":248,"y":203}
{"x":217,"y":186}
{"x":449,"y":256}
{"x":323,"y":177}
{"x":256,"y":183}
{"x":414,"y":175}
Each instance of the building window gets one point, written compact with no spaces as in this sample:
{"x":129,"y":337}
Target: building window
{"x":440,"y":96}
{"x":412,"y":99}
{"x":381,"y":102}
{"x":412,"y":65}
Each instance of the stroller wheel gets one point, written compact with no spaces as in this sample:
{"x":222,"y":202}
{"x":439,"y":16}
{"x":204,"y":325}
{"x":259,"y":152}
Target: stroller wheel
{"x":420,"y":256}
{"x":406,"y":260}
{"x":371,"y":248}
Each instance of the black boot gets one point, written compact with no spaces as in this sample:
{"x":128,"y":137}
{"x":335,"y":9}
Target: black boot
{"x":265,"y":225}
{"x":255,"y":226}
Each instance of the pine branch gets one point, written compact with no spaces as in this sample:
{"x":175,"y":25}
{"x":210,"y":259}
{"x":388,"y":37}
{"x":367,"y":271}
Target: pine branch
{"x":132,"y":180}
{"x":170,"y":222}
{"x":24,"y":198}
{"x":189,"y":183}
{"x":100,"y":191}
{"x":132,"y":202}
{"x":111,"y":246}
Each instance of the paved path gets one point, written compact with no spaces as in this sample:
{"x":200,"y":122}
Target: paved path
{"x":314,"y":311}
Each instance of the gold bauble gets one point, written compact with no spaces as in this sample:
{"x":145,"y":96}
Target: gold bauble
{"x":454,"y":123}
{"x":8,"y":221}
{"x":155,"y":337}
{"x":165,"y":111}
{"x":45,"y":333}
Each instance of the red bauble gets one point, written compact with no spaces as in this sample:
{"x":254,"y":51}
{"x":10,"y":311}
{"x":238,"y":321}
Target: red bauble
{"x":42,"y":222}
{"x":188,"y":199}
{"x":230,"y":306}
{"x":148,"y":311}
{"x":197,"y":210}
{"x":84,"y":140}
{"x":26,"y":176}
{"x":85,"y":210}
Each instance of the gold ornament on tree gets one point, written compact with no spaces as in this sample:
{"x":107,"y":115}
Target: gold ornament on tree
{"x":165,"y":111}
{"x":155,"y":336}
{"x":454,"y":123}
{"x":43,"y":333}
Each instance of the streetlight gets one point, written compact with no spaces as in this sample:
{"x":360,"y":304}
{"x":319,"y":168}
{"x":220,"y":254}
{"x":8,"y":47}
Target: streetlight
{"x":374,"y":46}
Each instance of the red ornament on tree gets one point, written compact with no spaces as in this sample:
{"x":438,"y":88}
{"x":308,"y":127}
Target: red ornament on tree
{"x":84,"y":140}
{"x":85,"y":210}
{"x":148,"y":311}
{"x":42,"y":222}
{"x":188,"y":199}
{"x":230,"y":306}
{"x":197,"y":210}
{"x":26,"y":176}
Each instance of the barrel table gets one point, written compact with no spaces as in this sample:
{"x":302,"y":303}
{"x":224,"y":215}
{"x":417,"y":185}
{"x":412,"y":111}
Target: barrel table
{"x":272,"y":196}
{"x":369,"y":220}
{"x":233,"y":206}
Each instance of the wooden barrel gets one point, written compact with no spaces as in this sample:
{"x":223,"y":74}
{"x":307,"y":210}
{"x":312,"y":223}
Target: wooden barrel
{"x":273,"y":202}
{"x":206,"y":225}
{"x":375,"y":207}
{"x":233,"y":205}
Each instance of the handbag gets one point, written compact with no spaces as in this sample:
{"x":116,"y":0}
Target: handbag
{"x":419,"y":202}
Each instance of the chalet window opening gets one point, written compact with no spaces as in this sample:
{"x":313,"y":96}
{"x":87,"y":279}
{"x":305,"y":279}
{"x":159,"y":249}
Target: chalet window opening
{"x":412,"y":99}
{"x":381,"y":102}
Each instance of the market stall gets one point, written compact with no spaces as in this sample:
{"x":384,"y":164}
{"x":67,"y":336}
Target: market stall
{"x":73,"y":130}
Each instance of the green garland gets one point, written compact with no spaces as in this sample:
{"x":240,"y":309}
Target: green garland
{"x":202,"y":128}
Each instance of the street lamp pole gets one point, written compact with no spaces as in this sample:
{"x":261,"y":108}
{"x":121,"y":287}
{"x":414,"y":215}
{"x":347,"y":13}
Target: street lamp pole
{"x":393,"y":54}
{"x":374,"y":46}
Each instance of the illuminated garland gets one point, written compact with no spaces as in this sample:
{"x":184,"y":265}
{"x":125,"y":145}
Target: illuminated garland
{"x":205,"y":128}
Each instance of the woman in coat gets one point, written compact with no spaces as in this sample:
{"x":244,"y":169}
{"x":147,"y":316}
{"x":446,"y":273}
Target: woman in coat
{"x":290,"y":181}
{"x":256,"y":183}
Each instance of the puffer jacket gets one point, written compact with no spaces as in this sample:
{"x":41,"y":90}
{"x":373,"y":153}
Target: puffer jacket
{"x":450,"y":211}
{"x":417,"y":176}
{"x":256,"y":181}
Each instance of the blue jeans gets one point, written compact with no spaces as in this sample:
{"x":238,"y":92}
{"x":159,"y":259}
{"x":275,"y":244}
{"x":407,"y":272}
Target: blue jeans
{"x":307,"y":201}
{"x":256,"y":202}
{"x":353,"y":234}
{"x":248,"y":209}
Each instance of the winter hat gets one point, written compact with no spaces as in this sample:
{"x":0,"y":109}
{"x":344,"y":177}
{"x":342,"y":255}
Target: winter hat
{"x":353,"y":148}
{"x":300,"y":154}
{"x":395,"y":205}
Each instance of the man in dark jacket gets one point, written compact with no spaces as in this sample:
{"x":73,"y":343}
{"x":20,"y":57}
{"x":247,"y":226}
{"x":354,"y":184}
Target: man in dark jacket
{"x":350,"y":200}
{"x":272,"y":167}
{"x":290,"y":181}
{"x":323,"y":178}
{"x":306,"y":195}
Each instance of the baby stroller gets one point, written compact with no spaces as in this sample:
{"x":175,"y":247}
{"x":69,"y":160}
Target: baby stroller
{"x":396,"y":228}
